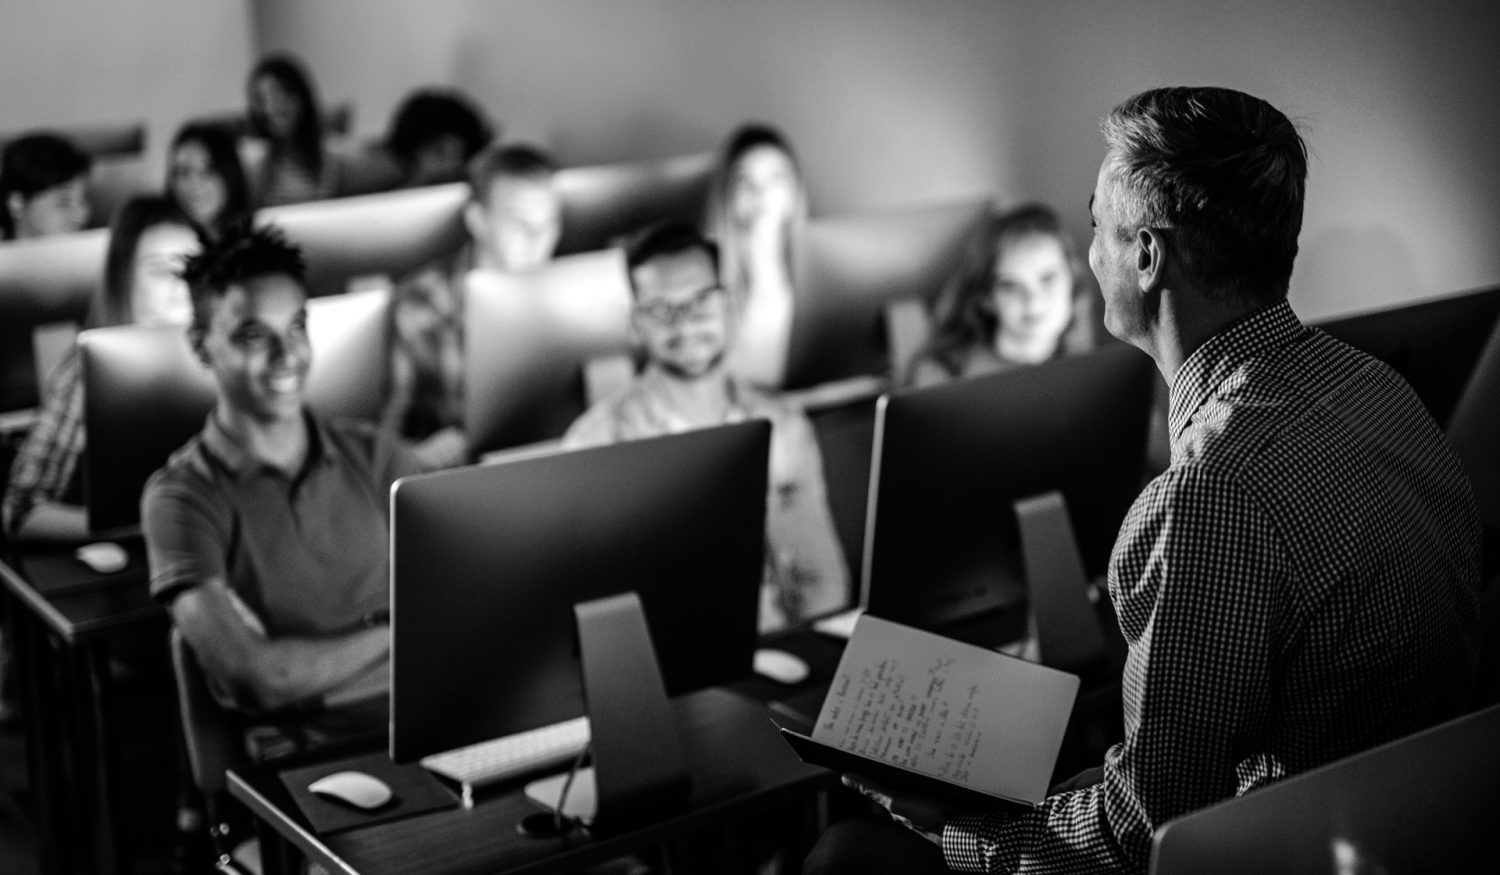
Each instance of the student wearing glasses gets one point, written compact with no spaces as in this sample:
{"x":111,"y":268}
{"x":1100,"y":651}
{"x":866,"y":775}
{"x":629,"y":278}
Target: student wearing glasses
{"x":681,"y":321}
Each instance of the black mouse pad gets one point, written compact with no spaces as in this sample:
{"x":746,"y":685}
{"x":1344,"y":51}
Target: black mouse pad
{"x":414,"y":791}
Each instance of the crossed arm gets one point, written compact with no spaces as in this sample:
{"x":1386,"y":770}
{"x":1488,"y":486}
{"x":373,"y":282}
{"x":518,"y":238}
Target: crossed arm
{"x":263,"y":674}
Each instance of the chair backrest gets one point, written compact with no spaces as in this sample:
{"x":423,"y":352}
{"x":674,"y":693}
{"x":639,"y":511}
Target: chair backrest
{"x":97,"y":141}
{"x":908,"y":328}
{"x":1424,"y":803}
{"x":213,"y":737}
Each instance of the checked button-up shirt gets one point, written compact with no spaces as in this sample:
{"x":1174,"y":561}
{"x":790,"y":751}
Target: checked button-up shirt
{"x":1302,"y":583}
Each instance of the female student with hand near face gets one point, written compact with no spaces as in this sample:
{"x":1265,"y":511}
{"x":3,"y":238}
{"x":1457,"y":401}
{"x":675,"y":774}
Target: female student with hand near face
{"x":757,"y":212}
{"x":205,"y":179}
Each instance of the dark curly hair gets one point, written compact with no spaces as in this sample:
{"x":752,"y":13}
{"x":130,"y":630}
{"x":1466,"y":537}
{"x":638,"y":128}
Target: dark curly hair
{"x":241,"y":254}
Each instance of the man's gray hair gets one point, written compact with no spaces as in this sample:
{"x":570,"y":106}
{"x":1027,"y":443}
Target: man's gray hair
{"x":1224,"y":173}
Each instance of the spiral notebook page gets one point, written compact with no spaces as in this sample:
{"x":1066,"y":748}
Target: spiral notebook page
{"x":954,"y":711}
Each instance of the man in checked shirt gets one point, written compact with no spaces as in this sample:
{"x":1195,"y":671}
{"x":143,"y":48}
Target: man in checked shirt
{"x":1301,"y":584}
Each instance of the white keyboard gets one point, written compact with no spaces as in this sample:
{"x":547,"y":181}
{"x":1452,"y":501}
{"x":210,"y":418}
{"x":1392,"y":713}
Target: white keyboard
{"x":490,"y":762}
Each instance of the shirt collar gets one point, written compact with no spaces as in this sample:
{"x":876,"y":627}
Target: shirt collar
{"x":234,"y":456}
{"x":737,"y":399}
{"x":1270,"y":327}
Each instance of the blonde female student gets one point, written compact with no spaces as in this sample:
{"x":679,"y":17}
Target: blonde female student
{"x":757,"y":213}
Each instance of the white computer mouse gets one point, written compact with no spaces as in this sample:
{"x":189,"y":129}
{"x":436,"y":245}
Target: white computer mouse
{"x":356,"y":788}
{"x":780,"y":666}
{"x":104,"y":557}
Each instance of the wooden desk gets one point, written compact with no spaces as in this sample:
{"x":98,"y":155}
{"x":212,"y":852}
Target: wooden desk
{"x":63,"y":619}
{"x":739,"y":767}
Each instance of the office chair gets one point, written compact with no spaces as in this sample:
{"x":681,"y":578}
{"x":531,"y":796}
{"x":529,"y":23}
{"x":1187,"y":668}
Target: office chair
{"x":1423,"y":803}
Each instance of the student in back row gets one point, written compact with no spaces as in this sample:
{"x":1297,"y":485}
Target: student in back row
{"x":1021,"y":297}
{"x":267,"y":533}
{"x":757,"y":213}
{"x":43,"y":187}
{"x":287,"y":158}
{"x":514,"y":219}
{"x":682,"y":321}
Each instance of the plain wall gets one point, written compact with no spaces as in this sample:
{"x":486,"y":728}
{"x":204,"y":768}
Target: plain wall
{"x":102,"y":62}
{"x":889,"y":102}
{"x":896,"y":102}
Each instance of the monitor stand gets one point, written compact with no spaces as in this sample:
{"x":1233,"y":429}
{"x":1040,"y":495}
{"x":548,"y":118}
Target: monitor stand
{"x":628,"y":714}
{"x":1066,"y":628}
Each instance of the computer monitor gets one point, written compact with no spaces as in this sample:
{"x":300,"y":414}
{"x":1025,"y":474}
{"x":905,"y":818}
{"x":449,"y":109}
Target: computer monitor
{"x":527,"y":337}
{"x":603,"y":202}
{"x":1424,"y":803}
{"x":1433,"y":344}
{"x":950,"y":461}
{"x":487,"y":563}
{"x":852,"y":266}
{"x":42,"y":281}
{"x":391,"y":233}
{"x":1474,"y":431}
{"x":145,"y":394}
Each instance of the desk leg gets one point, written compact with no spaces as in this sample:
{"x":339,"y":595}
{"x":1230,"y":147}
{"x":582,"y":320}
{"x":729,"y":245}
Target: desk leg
{"x":102,"y":753}
{"x":277,"y":855}
{"x":41,"y":713}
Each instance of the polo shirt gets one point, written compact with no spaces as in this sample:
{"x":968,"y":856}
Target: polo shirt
{"x":308,"y":554}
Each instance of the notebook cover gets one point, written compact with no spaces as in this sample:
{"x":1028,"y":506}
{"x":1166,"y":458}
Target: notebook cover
{"x":414,"y":791}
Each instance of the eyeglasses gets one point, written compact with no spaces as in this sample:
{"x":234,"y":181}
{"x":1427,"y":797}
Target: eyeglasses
{"x":667,"y":313}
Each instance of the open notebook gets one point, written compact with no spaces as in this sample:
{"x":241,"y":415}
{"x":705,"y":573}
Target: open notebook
{"x":917,"y":711}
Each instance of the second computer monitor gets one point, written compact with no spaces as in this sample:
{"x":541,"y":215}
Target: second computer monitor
{"x":1433,"y":344}
{"x":853,"y":266}
{"x":527,"y":338}
{"x":602,"y":202}
{"x":941,"y":542}
{"x":487,"y":563}
{"x":145,"y":394}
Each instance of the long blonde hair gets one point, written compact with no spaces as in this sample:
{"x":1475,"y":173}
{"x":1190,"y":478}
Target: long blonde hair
{"x":719,"y":225}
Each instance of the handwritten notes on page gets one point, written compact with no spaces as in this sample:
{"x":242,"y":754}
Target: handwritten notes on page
{"x":957,"y":712}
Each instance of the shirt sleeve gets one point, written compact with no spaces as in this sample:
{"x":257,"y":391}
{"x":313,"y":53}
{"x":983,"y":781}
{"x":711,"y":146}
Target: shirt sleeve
{"x":44,"y":466}
{"x":185,"y":541}
{"x":1193,"y":577}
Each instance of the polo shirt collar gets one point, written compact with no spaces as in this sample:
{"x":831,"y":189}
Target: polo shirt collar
{"x":1270,"y":327}
{"x":239,"y":462}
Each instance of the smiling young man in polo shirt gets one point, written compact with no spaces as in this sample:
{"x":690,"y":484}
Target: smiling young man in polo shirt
{"x":267,"y":532}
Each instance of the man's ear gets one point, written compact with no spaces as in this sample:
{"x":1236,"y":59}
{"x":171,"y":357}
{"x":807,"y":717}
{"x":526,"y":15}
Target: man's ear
{"x":1150,"y":259}
{"x":14,"y":205}
{"x":633,"y":334}
{"x":477,"y":223}
{"x":196,"y":337}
